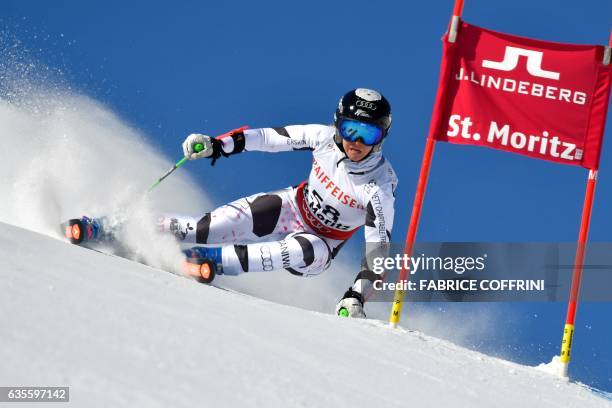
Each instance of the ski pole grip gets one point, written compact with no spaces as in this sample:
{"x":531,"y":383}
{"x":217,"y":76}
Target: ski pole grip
{"x":343,"y":312}
{"x":198,"y":147}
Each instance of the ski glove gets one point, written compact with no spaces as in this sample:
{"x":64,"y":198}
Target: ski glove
{"x":210,"y":147}
{"x":353,"y":303}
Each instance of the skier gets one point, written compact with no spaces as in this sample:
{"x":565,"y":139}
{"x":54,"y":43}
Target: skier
{"x":302,"y":228}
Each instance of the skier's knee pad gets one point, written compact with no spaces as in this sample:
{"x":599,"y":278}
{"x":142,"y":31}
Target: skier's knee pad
{"x":316,"y":254}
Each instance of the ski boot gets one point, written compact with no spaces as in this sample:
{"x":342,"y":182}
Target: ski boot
{"x":203,"y":263}
{"x":83,"y":230}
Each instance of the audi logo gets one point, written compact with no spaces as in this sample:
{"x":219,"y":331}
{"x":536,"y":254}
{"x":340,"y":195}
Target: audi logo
{"x":366,"y":104}
{"x":266,"y":258}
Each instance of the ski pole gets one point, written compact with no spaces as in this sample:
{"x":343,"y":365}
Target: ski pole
{"x":198,"y":147}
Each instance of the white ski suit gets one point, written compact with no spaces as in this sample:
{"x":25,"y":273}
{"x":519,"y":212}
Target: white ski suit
{"x":299,"y":228}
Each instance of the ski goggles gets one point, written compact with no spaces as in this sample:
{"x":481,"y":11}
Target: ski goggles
{"x":367,"y":133}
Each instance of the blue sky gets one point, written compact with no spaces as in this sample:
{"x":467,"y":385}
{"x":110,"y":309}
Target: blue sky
{"x":205,"y":66}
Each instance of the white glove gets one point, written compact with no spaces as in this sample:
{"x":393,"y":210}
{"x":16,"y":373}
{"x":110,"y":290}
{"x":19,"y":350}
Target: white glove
{"x":189,"y":146}
{"x":351,"y":301}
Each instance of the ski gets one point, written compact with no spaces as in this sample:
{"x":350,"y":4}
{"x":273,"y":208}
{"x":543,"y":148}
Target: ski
{"x":89,"y":233}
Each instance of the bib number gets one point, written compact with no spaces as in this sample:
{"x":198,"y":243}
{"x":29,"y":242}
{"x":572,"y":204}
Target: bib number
{"x":326,"y":213}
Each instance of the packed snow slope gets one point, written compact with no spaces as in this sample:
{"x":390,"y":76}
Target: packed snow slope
{"x":123,"y":334}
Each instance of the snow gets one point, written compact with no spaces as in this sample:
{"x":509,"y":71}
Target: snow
{"x":554,"y":367}
{"x":124,"y":334}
